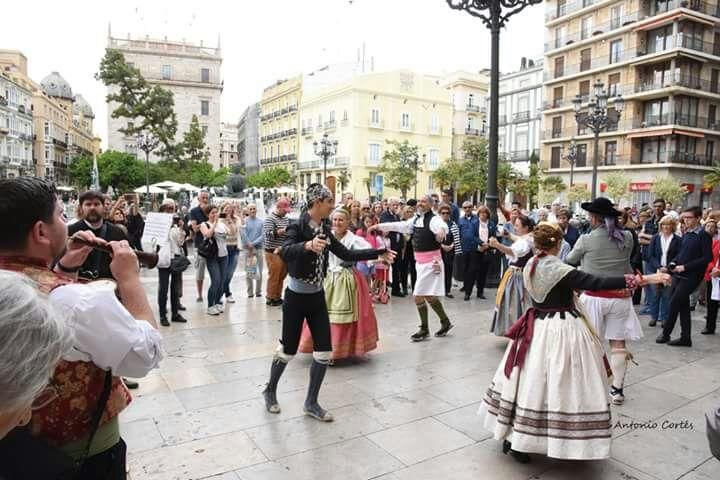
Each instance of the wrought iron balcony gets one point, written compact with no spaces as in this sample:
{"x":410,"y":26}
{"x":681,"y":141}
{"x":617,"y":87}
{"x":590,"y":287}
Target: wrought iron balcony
{"x":474,"y":132}
{"x":521,"y":116}
{"x":472,"y":108}
{"x":307,"y":131}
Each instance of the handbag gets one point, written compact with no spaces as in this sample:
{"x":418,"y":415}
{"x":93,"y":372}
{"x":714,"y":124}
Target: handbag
{"x":179,"y":264}
{"x":25,"y":457}
{"x":208,"y":248}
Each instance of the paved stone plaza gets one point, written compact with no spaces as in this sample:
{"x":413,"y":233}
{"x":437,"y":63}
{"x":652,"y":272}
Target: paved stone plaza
{"x":406,"y":412}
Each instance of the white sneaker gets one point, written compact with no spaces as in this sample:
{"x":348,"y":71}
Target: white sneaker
{"x":220,"y":307}
{"x":213,"y":310}
{"x":230,"y":299}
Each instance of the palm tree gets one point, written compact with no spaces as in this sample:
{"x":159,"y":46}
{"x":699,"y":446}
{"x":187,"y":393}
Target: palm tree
{"x":713,"y":178}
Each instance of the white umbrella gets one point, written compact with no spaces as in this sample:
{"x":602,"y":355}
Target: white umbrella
{"x":190,"y":188}
{"x":286,"y":190}
{"x":168,"y":185}
{"x":153,"y":189}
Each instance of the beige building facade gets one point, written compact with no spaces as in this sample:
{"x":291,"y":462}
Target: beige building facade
{"x":228,"y":144}
{"x":191,"y":72}
{"x":663,"y":57}
{"x":468,"y":93}
{"x":16,"y":124}
{"x":362,"y":113}
{"x":279,"y":124}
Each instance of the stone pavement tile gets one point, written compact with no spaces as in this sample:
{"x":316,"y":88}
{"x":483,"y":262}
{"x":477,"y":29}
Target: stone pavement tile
{"x":593,"y":470}
{"x":141,"y":435}
{"x":223,"y":476}
{"x":710,"y":470}
{"x":304,"y":433}
{"x":332,"y":397}
{"x":691,"y":381}
{"x":197,"y":459}
{"x":192,"y":377}
{"x":150,"y":406}
{"x":482,"y":460}
{"x":216,"y":394}
{"x":150,"y":385}
{"x":182,"y":341}
{"x":236,"y":353}
{"x":464,"y":391}
{"x":206,"y":422}
{"x":663,"y":453}
{"x":404,"y":407}
{"x":417,"y":441}
{"x":380,"y":384}
{"x":184,"y":361}
{"x":643,"y":402}
{"x":226,"y":372}
{"x":357,"y":459}
{"x":467,"y":421}
{"x":266,"y":471}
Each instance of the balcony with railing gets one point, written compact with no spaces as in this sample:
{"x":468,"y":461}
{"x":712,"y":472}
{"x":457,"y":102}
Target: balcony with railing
{"x":680,"y":79}
{"x":307,"y":131}
{"x":473,"y":132}
{"x":558,"y":9}
{"x":684,"y":158}
{"x":472,"y":108}
{"x":520,"y":155}
{"x":519,"y":117}
{"x":692,"y":121}
{"x":376,"y":124}
{"x":599,"y":29}
{"x":329,"y":125}
{"x":406,"y":127}
{"x":435,"y":130}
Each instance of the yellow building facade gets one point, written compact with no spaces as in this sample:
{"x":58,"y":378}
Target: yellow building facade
{"x":279,"y":120}
{"x":362,"y":114}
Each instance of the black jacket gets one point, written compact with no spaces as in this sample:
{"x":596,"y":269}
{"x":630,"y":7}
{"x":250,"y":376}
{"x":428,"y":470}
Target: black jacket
{"x":695,"y":253}
{"x":654,"y":252}
{"x":396,"y":239}
{"x":97,"y":264}
{"x":302,"y":264}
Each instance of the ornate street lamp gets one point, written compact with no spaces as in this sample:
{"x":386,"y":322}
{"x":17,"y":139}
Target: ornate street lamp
{"x":597,"y":118}
{"x":325,"y":149}
{"x":494,"y":14}
{"x":570,"y":157}
{"x":147,"y":143}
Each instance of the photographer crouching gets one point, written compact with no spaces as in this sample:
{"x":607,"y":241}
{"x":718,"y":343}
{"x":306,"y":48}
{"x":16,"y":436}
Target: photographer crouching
{"x":76,"y":433}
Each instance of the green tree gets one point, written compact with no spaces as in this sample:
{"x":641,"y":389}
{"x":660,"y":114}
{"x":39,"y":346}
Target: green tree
{"x":533,"y":181}
{"x":203,"y":175}
{"x":473,"y":178}
{"x":617,"y":186}
{"x":343,"y":179}
{"x":399,"y":166}
{"x":713,"y":178}
{"x":448,"y":174}
{"x":149,"y":109}
{"x":121,"y":170}
{"x":669,"y":189}
{"x":578,"y":193}
{"x":507,"y":177}
{"x":270,"y":178}
{"x":193,"y":144}
{"x":550,"y":188}
{"x":80,"y":171}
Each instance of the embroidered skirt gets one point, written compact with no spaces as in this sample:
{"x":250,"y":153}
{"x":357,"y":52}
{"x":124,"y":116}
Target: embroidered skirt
{"x":557,"y":404}
{"x":510,"y":301}
{"x":360,"y":334}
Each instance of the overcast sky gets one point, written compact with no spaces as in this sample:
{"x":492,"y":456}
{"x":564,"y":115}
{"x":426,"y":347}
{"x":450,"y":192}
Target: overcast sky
{"x":264,"y":40}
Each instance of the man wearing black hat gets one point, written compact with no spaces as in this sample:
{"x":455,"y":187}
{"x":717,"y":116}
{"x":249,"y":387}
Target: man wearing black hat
{"x":606,"y":251}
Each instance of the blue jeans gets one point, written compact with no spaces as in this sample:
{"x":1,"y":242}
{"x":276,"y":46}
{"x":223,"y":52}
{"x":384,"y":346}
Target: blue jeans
{"x":216,"y":268}
{"x":661,"y":303}
{"x":232,"y":261}
{"x":650,"y":291}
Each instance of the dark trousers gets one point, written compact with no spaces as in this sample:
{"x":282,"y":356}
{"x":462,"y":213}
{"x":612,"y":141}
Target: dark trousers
{"x":448,"y":259}
{"x":682,"y":288}
{"x":108,"y":465}
{"x":476,"y":267}
{"x":173,"y":281}
{"x":413,"y":272}
{"x":396,"y":280}
{"x":403,"y":266}
{"x":301,"y":307}
{"x":712,"y":308}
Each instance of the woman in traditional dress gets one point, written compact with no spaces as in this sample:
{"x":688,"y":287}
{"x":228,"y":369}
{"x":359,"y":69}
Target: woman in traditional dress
{"x":549,"y":393}
{"x":511,"y":300}
{"x":353,"y":326}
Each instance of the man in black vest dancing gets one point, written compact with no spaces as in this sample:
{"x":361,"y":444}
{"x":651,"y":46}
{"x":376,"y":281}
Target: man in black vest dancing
{"x":305,"y":249}
{"x":428,"y":231}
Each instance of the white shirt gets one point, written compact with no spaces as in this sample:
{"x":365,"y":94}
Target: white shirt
{"x":664,"y":245}
{"x":437,"y":225}
{"x":104,"y":331}
{"x":520,"y":248}
{"x":483,"y":231}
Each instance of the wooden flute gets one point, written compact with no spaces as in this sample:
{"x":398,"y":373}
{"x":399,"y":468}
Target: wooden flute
{"x":149,"y":260}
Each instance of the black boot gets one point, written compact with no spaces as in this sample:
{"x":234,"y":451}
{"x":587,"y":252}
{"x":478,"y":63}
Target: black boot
{"x":519,"y":457}
{"x":164,"y":321}
{"x":276,"y":370}
{"x":312,"y":408}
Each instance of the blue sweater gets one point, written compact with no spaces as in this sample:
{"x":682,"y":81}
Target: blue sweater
{"x":469,"y":233}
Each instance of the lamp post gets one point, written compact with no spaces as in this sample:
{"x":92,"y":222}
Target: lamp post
{"x":570,"y":157}
{"x":147,"y":143}
{"x":325,"y":149}
{"x":494,"y":14}
{"x":597,"y":118}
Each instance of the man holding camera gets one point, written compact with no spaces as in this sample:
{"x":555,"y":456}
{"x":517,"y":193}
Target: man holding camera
{"x":687,"y":271}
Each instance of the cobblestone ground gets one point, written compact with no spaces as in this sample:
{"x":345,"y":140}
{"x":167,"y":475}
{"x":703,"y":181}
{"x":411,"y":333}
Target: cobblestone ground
{"x":406,"y":412}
